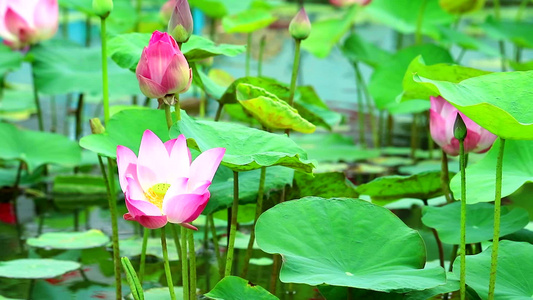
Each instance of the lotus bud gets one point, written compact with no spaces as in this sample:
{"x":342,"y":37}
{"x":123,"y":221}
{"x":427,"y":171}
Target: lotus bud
{"x":96,"y":126}
{"x":180,"y":25}
{"x":300,"y":27}
{"x":459,"y":128}
{"x":461,"y":6}
{"x":102,"y":8}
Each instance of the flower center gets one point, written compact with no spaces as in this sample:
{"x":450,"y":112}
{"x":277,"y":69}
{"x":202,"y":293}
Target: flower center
{"x":156,"y":194}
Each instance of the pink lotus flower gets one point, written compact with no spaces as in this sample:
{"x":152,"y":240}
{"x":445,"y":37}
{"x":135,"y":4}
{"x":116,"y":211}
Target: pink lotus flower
{"x":349,"y":2}
{"x":162,"y":185}
{"x":163,"y":69}
{"x":180,"y":25}
{"x":300,"y":27}
{"x":442,"y":117}
{"x":27,"y":22}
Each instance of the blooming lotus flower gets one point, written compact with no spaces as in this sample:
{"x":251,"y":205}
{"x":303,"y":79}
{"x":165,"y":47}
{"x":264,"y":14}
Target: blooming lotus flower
{"x":300,"y":27}
{"x":163,"y":69}
{"x":442,"y":117}
{"x":162,"y":185}
{"x":349,"y":2}
{"x":180,"y":25}
{"x":26,"y":22}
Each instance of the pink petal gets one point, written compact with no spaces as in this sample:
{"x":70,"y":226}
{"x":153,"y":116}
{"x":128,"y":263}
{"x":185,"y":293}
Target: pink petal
{"x":177,"y":187}
{"x":141,"y":208}
{"x":188,"y":226}
{"x":150,"y":88}
{"x":485,"y":141}
{"x":46,"y":19}
{"x":134,"y":189}
{"x":200,"y":208}
{"x":152,"y":222}
{"x":200,"y":188}
{"x":471,"y":140}
{"x":142,"y":67}
{"x":169,"y":145}
{"x":205,"y":165}
{"x":153,"y":161}
{"x":436,"y":128}
{"x":180,"y":159}
{"x":177,"y":75}
{"x":18,"y":26}
{"x":159,"y":55}
{"x":127,"y":165}
{"x":184,"y":208}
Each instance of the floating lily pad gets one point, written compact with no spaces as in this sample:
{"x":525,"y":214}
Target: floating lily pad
{"x":10,"y":60}
{"x":69,"y":240}
{"x":326,"y":185}
{"x":481,"y":176}
{"x":248,"y":21}
{"x":132,"y":247}
{"x":513,"y":276}
{"x":241,"y":241}
{"x":246,"y":148}
{"x":37,"y":148}
{"x":30,"y":268}
{"x":330,"y":245}
{"x":236,"y":288}
{"x":499,"y":102}
{"x":391,"y":161}
{"x":79,"y":191}
{"x":16,"y":105}
{"x":161,"y":293}
{"x":479,"y":221}
{"x":425,"y":185}
{"x":429,"y":165}
{"x":357,"y":49}
{"x":452,"y":284}
{"x":271,"y":111}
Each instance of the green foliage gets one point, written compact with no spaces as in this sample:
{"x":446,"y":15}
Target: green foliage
{"x":357,"y":49}
{"x":70,"y":240}
{"x":79,"y":191}
{"x":236,"y":288}
{"x":31,"y":268}
{"x":248,"y":21}
{"x":10,"y":60}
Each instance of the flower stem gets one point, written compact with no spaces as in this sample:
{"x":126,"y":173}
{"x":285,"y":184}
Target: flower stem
{"x":167,"y":265}
{"x":248,"y":53}
{"x":192,"y":265}
{"x":295,"y":68}
{"x":419,"y":21}
{"x":360,"y":114}
{"x":361,"y":83}
{"x":168,"y":115}
{"x":219,"y":112}
{"x":143,"y":254}
{"x":233,"y":227}
{"x":261,"y":52}
{"x":497,"y":208}
{"x":36,"y":99}
{"x":105,"y":83}
{"x":215,"y":244}
{"x":176,"y":240}
{"x":184,"y":263}
{"x":445,"y":177}
{"x":462,"y":278}
{"x":177,"y":111}
{"x":258,"y":211}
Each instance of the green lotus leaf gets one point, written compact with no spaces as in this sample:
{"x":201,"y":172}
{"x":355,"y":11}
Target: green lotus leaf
{"x":248,"y":21}
{"x":70,"y":240}
{"x":31,"y":268}
{"x":236,"y":288}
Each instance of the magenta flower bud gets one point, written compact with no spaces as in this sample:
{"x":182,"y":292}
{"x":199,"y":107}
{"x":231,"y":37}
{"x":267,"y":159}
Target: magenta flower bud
{"x":180,"y":25}
{"x":163,"y":69}
{"x":442,"y":116}
{"x":341,"y":3}
{"x":300,"y":27}
{"x":27,"y":22}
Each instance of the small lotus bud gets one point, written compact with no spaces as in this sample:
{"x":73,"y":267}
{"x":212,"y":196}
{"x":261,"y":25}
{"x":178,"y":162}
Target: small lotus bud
{"x":96,"y":126}
{"x":461,"y":6}
{"x":300,"y":27}
{"x":180,"y":25}
{"x":102,"y":8}
{"x":459,"y":128}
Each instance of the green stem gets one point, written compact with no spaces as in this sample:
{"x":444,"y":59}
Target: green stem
{"x":233,"y":228}
{"x":105,"y":82}
{"x":414,"y":136}
{"x":184,"y":263}
{"x":176,"y":240}
{"x":419,"y":21}
{"x":192,"y":265}
{"x":53,"y":109}
{"x":219,"y":112}
{"x":258,"y":211}
{"x":445,"y":177}
{"x":36,"y":99}
{"x":168,"y":115}
{"x":461,"y":55}
{"x":497,"y":208}
{"x":248,"y":53}
{"x":521,"y":9}
{"x":167,"y":265}
{"x":462,"y":278}
{"x":138,"y":8}
{"x":15,"y":210}
{"x":88,"y":31}
{"x":390,"y":129}
{"x":177,"y":109}
{"x":79,"y":116}
{"x":64,"y":28}
{"x":215,"y":244}
{"x":496,"y":9}
{"x":431,"y":145}
{"x":261,"y":52}
{"x":370,"y":108}
{"x":295,"y":67}
{"x":143,"y":254}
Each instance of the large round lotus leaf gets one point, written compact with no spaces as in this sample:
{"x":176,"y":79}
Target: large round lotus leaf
{"x":30,"y":268}
{"x":126,"y":49}
{"x":422,"y":186}
{"x":452,"y":284}
{"x":248,"y":21}
{"x":514,"y":276}
{"x":125,"y":129}
{"x":246,"y":148}
{"x":160,"y":293}
{"x":481,"y":176}
{"x":37,"y":148}
{"x":499,"y":102}
{"x":271,"y":111}
{"x":236,"y":288}
{"x":479,"y":221}
{"x":346,"y":242}
{"x":70,"y":240}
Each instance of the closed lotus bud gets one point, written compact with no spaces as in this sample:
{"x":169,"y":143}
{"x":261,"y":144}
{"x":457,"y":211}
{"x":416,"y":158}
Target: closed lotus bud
{"x":102,"y":8}
{"x":300,"y":27}
{"x":442,"y":120}
{"x":180,"y":25}
{"x":461,"y":6}
{"x":23,"y":23}
{"x":459,"y":128}
{"x":349,"y":2}
{"x":163,"y":69}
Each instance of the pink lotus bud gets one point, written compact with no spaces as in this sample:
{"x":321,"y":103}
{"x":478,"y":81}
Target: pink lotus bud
{"x":300,"y":27}
{"x":442,"y":116}
{"x":27,"y":22}
{"x":349,"y":2}
{"x":163,"y":69}
{"x":180,"y":25}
